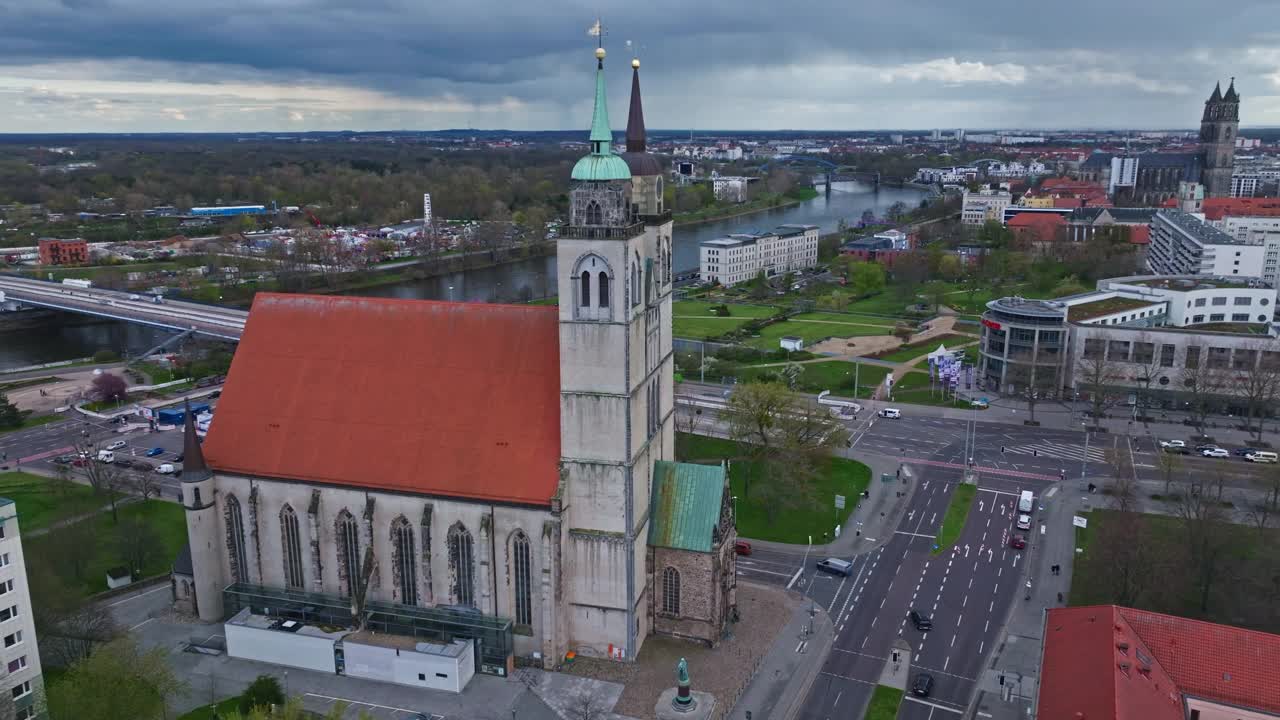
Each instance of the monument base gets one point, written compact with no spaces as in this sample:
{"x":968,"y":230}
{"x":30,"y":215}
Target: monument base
{"x":702,"y":706}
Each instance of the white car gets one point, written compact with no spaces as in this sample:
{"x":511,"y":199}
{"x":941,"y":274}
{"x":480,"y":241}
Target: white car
{"x":1261,"y":456}
{"x":165,"y":469}
{"x":1215,"y":453}
{"x":892,"y":413}
{"x":117,"y":445}
{"x":1172,"y":444}
{"x":1024,"y":522}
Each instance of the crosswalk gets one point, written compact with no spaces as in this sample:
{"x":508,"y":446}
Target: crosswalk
{"x":1057,"y":451}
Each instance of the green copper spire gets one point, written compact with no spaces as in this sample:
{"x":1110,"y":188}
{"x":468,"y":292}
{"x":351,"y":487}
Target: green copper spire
{"x":602,"y":164}
{"x":601,"y":134}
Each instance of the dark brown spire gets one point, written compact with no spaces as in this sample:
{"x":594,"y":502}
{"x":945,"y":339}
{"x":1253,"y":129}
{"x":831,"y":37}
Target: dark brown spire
{"x":193,"y":465}
{"x":635,"y":117}
{"x":1231,"y":95}
{"x":1217,"y":93}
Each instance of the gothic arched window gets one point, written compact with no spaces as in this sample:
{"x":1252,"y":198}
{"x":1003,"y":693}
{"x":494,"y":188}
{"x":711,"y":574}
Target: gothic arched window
{"x":671,"y":591}
{"x":461,"y":565}
{"x":635,"y":281}
{"x":403,"y":556}
{"x":521,"y":568}
{"x":348,"y":534}
{"x":235,"y":541}
{"x":595,"y":216}
{"x":589,"y":303}
{"x":604,"y":289}
{"x":291,"y":543}
{"x":584,"y":294}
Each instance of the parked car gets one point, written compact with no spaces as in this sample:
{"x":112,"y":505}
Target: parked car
{"x":1017,"y":542}
{"x":1024,"y":522}
{"x":1261,"y":456}
{"x":1177,"y":450}
{"x":1244,"y":452}
{"x":117,"y":445}
{"x":891,"y":413}
{"x":1215,"y":453}
{"x":1173,"y":444}
{"x":64,"y":459}
{"x":923,"y":623}
{"x":215,"y":395}
{"x":155,"y":452}
{"x":923,"y":685}
{"x":179,"y":457}
{"x":165,"y":469}
{"x":836,"y":566}
{"x":742,"y":547}
{"x":980,"y":404}
{"x":1206,"y":446}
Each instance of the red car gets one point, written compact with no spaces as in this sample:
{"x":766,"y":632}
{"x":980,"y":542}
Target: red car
{"x":742,"y":547}
{"x":1017,"y":542}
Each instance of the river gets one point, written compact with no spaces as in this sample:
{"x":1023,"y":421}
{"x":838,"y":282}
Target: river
{"x":506,"y":283}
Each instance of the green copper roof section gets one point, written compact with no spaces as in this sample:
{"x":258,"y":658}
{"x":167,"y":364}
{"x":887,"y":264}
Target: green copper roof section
{"x":601,"y":164}
{"x":686,"y":505}
{"x":600,"y":132}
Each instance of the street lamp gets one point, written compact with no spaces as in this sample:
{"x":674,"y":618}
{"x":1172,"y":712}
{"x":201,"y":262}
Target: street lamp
{"x":1084,"y":460}
{"x":735,"y":511}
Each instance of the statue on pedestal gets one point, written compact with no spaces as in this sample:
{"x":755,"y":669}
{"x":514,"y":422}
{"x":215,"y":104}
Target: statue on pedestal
{"x":684,"y":696}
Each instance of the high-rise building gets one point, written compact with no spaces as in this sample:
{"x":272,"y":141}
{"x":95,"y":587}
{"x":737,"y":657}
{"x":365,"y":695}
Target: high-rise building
{"x":1218,"y":128}
{"x":19,"y":655}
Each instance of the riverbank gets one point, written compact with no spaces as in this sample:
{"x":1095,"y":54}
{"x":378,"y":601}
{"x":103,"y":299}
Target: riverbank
{"x":697,"y":218}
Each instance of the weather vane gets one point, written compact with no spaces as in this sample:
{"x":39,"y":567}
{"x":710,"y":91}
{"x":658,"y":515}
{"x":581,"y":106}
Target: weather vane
{"x":597,"y":31}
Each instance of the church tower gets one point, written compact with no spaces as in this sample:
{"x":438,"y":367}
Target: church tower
{"x":202,"y":525}
{"x":616,"y":372}
{"x":1217,"y":140}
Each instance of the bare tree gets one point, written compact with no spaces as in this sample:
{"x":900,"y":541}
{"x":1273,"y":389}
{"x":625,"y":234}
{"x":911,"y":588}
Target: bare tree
{"x":1032,"y":382}
{"x":68,"y":627}
{"x":1169,"y":465}
{"x":1124,"y":493}
{"x":1147,"y":359}
{"x":143,"y":483}
{"x":136,"y":543}
{"x":1126,"y":559}
{"x":1269,"y":480}
{"x":1204,"y":385}
{"x":1097,"y":375}
{"x":1259,"y":384}
{"x":586,"y":706}
{"x":1207,"y":536}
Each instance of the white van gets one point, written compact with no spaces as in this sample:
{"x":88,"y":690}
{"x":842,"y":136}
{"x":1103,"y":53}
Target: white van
{"x":892,"y":413}
{"x":1026,"y":502}
{"x":106,"y":456}
{"x":165,"y":469}
{"x":1261,"y":456}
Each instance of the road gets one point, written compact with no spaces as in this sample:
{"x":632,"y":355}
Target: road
{"x":212,"y":321}
{"x":37,"y":448}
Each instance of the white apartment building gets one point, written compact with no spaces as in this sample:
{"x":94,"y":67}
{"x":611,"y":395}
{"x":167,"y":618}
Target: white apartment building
{"x":1244,"y":184}
{"x":1257,"y":230}
{"x":899,"y":239}
{"x":986,"y":204}
{"x":946,"y":176}
{"x":20,"y":675}
{"x":1188,"y":300}
{"x":740,"y":257}
{"x":1182,"y":244}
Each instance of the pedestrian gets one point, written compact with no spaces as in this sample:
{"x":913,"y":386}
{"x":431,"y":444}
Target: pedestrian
{"x":1059,"y":597}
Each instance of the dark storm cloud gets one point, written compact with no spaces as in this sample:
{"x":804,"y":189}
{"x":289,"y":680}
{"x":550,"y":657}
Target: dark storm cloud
{"x":1082,"y":57}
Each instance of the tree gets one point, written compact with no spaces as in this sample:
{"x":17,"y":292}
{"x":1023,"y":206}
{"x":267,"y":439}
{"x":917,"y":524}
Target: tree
{"x":1147,"y":357}
{"x":1126,"y":559}
{"x":263,"y":692}
{"x":1269,"y":480}
{"x":108,"y":387}
{"x":835,"y":300}
{"x":1097,"y":375}
{"x":903,"y":332}
{"x":1169,"y":464}
{"x":117,"y":680}
{"x":760,"y":286}
{"x":144,"y":484}
{"x":1204,"y":386}
{"x":909,"y":270}
{"x":136,"y":543}
{"x":1259,"y":384}
{"x":896,"y":211}
{"x":68,"y":625}
{"x":10,"y":415}
{"x":1206,"y":535}
{"x":866,"y":278}
{"x":936,"y":292}
{"x":293,"y":710}
{"x":1032,"y":382}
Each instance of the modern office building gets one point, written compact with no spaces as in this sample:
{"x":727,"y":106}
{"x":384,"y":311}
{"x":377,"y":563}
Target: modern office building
{"x":1154,"y":332}
{"x":21,"y":676}
{"x":740,"y":257}
{"x":1182,"y":244}
{"x":983,"y":205}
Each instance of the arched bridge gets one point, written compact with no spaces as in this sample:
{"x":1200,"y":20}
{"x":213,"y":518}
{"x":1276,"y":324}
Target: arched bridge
{"x":185,"y":317}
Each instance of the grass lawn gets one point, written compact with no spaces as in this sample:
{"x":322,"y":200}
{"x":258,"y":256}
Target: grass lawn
{"x":884,"y":703}
{"x":924,"y":347}
{"x":693,"y":319}
{"x":849,"y":318}
{"x":888,"y":302}
{"x":32,"y":421}
{"x":546,"y":301}
{"x":206,"y":712}
{"x":40,"y":504}
{"x":811,"y":332}
{"x":953,"y":521}
{"x":834,"y":375}
{"x":796,"y":524}
{"x":158,"y":373}
{"x":165,"y":518}
{"x":925,"y":396}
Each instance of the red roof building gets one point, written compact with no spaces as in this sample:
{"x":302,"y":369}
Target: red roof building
{"x":1218,"y":208}
{"x":1037,"y":227}
{"x":63,"y":252}
{"x":436,"y":398}
{"x":1104,"y":661}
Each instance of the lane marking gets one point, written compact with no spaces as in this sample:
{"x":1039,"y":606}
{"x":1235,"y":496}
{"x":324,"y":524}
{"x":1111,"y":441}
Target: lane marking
{"x":935,"y":706}
{"x":135,"y":597}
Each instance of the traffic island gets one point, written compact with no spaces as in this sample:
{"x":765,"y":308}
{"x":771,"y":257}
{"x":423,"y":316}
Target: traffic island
{"x":953,"y":521}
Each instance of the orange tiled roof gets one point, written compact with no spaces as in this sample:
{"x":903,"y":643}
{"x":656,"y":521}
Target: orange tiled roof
{"x":439,"y":398}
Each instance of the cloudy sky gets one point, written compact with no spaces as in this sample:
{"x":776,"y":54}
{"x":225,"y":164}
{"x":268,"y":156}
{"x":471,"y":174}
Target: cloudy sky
{"x":286,"y":65}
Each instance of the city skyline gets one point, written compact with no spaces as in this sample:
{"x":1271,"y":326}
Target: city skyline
{"x":142,"y":67}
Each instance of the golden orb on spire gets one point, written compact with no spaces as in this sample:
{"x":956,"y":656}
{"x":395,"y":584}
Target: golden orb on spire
{"x":635,"y":63}
{"x":599,"y":53}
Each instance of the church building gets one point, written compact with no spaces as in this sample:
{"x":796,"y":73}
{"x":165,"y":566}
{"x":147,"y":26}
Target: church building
{"x":452,"y":470}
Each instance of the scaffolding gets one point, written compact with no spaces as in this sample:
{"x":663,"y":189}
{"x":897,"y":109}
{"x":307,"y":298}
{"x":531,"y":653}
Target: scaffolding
{"x":492,"y":635}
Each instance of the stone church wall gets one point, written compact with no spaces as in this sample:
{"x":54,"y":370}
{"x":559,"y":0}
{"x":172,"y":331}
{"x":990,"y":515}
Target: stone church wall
{"x":492,"y":529}
{"x":700,"y":595}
